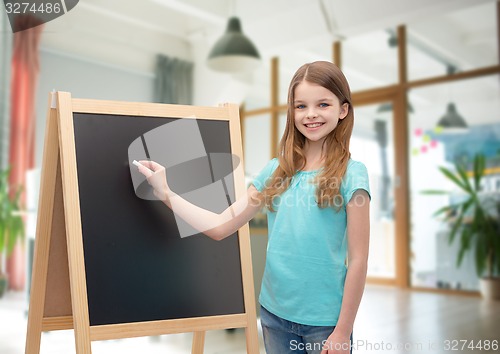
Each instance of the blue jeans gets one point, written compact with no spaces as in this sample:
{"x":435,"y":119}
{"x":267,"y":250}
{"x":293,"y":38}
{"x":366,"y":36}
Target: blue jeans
{"x":286,"y":337}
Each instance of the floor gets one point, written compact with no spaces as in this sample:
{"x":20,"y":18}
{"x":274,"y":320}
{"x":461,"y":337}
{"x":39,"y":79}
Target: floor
{"x":389,"y":320}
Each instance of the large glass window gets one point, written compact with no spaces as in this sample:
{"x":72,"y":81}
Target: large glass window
{"x":259,"y":95}
{"x":452,"y":42}
{"x":371,"y":60}
{"x":257,"y":143}
{"x":477,"y":102}
{"x":372,"y":143}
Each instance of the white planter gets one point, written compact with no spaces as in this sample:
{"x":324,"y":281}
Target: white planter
{"x":490,"y":288}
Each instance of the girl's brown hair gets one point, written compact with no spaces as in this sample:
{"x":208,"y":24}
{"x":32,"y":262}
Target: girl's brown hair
{"x":291,"y":156}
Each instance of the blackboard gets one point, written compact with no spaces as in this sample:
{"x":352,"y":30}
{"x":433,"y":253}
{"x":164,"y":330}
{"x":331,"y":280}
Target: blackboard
{"x":137,"y":266}
{"x":111,"y":261}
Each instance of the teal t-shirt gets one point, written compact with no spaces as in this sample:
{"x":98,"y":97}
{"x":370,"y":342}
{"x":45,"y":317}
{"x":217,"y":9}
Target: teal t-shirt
{"x":305,"y":267}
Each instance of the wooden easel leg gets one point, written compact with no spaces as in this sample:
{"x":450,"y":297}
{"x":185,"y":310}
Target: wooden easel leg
{"x":74,"y":237}
{"x":252,"y":338}
{"x":44,"y":230}
{"x":198,"y":342}
{"x":37,"y":296}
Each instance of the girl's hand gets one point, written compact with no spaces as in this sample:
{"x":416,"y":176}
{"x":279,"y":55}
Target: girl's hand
{"x":337,"y":343}
{"x":156,"y":177}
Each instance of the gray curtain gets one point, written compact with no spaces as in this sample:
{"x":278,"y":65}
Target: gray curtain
{"x":173,"y":80}
{"x":5,"y":62}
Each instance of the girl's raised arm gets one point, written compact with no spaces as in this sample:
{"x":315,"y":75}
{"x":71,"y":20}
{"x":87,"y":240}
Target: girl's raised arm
{"x":215,"y":226}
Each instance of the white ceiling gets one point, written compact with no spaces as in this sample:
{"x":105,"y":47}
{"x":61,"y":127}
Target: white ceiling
{"x":129,"y":34}
{"x":107,"y":29}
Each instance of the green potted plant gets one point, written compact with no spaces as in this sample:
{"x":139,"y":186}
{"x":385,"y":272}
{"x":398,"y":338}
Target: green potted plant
{"x":11,"y":224}
{"x":476,"y":222}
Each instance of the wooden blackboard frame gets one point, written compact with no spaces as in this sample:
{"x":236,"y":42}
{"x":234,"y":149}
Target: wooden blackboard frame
{"x":59,"y":292}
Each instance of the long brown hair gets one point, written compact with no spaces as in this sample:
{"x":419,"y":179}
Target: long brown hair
{"x":291,"y":155}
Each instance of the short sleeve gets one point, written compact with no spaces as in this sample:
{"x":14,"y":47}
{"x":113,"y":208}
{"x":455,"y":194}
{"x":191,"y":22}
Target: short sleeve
{"x":356,"y":177}
{"x":260,"y":181}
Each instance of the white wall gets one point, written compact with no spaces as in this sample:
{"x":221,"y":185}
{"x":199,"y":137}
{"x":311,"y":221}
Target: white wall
{"x":211,"y":87}
{"x":84,"y":79}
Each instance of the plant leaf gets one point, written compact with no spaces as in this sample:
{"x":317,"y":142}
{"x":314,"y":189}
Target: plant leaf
{"x":434,"y":192}
{"x":2,"y":238}
{"x":456,"y":224}
{"x":479,"y":165}
{"x":12,"y":227}
{"x":465,"y":179}
{"x":443,"y":209}
{"x":467,"y":204}
{"x":495,"y":238}
{"x":464,"y":245}
{"x":451,"y":176}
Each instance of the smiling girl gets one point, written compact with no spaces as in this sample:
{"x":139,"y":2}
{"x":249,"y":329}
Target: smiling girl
{"x":317,"y":201}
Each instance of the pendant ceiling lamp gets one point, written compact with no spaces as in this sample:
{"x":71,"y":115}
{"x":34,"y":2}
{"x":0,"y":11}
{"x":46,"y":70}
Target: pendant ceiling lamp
{"x":233,"y":52}
{"x":452,"y":121}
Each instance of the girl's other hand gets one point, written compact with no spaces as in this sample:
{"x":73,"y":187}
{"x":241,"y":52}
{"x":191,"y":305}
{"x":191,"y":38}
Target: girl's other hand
{"x":337,"y":344}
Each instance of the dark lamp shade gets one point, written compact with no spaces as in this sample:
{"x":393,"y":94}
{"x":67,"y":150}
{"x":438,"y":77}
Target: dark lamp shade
{"x":233,"y":52}
{"x":452,"y":121}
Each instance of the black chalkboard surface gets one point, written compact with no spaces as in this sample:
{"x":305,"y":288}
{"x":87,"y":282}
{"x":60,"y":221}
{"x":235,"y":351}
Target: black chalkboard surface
{"x":137,"y":266}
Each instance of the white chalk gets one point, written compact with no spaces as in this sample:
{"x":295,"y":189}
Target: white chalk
{"x":138,"y":164}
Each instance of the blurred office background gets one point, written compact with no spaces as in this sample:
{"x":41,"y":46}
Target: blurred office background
{"x":409,"y":64}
